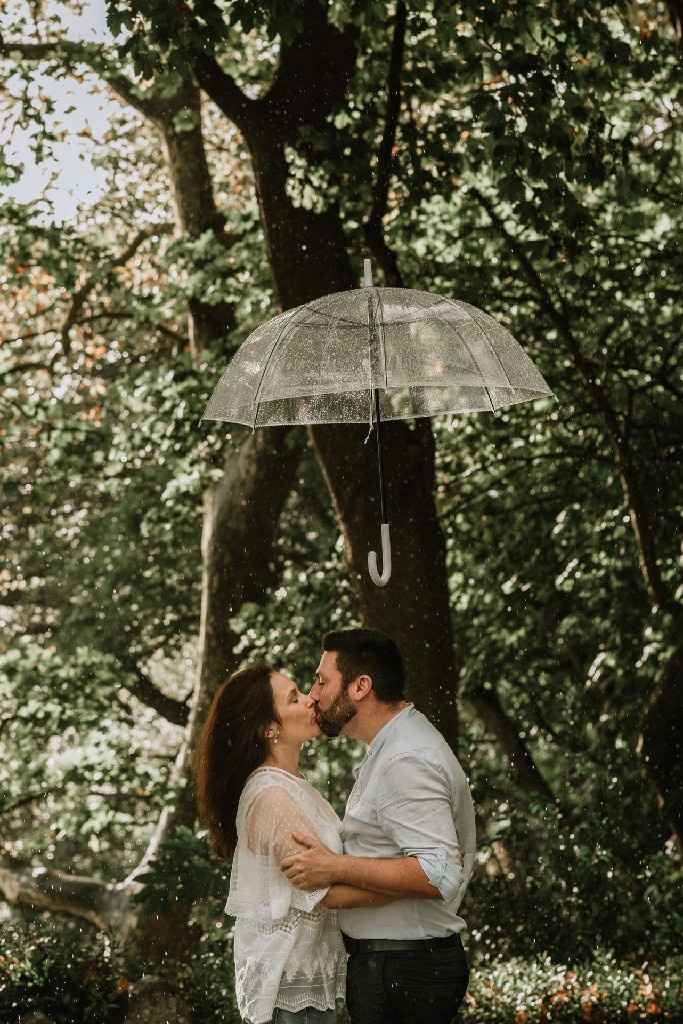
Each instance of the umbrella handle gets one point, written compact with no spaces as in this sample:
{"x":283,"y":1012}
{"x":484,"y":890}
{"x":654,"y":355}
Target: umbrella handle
{"x":383,"y":579}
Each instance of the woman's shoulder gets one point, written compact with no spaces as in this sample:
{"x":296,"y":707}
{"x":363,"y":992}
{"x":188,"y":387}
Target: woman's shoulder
{"x":267,"y":776}
{"x":275,"y":782}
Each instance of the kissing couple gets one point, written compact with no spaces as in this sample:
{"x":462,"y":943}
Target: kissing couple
{"x":383,"y":886}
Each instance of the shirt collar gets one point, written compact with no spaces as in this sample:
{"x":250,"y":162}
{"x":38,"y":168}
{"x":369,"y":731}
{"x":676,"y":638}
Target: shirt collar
{"x":381,"y":737}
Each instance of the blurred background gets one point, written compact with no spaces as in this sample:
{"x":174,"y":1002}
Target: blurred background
{"x":174,"y":176}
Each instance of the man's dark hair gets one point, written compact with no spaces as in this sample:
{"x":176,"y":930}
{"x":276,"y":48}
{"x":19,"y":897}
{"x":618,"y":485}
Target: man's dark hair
{"x":367,"y":652}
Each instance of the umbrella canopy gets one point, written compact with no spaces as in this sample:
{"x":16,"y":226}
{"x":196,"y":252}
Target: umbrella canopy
{"x":373,"y":354}
{"x":323,"y":362}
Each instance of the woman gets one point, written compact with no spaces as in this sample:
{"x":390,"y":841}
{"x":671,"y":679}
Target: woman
{"x":290,"y":962}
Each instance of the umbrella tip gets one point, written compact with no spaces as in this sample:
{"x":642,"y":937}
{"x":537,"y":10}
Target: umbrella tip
{"x":367,"y":274}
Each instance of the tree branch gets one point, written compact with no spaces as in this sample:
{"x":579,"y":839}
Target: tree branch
{"x":557,"y":316}
{"x":88,"y":898}
{"x":143,"y":689}
{"x":374,"y":226}
{"x":312,"y":76}
{"x":487,"y":704}
{"x":94,"y":57}
{"x":224,"y":91}
{"x":29,"y":798}
{"x":675,"y":8}
{"x":30,"y":366}
{"x":303,"y":90}
{"x":4,"y":722}
{"x":657,"y":590}
{"x":79,"y":298}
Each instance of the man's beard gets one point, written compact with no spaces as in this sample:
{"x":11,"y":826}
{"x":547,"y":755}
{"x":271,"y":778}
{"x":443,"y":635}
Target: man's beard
{"x":341,"y":710}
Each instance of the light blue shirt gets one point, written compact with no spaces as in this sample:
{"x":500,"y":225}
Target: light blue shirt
{"x":411,"y":799}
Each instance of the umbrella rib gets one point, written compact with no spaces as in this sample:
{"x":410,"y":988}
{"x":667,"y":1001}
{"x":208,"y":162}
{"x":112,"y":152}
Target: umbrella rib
{"x":380,"y":305}
{"x":321,"y":311}
{"x":490,"y":344}
{"x":267,"y":364}
{"x":473,"y":357}
{"x":317,"y":310}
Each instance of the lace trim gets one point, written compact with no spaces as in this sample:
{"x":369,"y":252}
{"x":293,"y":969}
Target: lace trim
{"x":259,"y":1007}
{"x":308,"y":975}
{"x":297,"y":921}
{"x":309,"y":999}
{"x":320,"y":973}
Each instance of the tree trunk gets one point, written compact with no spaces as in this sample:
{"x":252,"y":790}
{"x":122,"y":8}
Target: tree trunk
{"x":661,"y":740}
{"x":523,"y":769}
{"x":414,"y":607}
{"x":193,"y":199}
{"x":241,"y":516}
{"x":661,"y":743}
{"x":308,"y":258}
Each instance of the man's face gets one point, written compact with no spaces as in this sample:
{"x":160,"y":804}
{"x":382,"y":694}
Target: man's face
{"x":333,"y":706}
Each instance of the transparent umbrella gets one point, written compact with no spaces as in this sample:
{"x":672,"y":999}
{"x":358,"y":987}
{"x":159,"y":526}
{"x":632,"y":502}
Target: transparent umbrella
{"x":372,"y":354}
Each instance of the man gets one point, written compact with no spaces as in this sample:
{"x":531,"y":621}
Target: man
{"x":408,"y":832}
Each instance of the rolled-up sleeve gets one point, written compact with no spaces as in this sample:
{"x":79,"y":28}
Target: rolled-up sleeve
{"x":415,"y":808}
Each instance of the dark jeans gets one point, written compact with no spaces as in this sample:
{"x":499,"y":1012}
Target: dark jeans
{"x":406,"y":987}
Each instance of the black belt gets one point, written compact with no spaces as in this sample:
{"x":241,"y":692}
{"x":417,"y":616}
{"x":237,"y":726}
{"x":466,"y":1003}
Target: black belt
{"x":396,"y":945}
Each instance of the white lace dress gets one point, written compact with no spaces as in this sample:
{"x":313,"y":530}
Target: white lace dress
{"x":288,"y":950}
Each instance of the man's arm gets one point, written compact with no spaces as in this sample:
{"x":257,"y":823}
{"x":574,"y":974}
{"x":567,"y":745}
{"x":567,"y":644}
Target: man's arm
{"x":316,"y":867}
{"x":348,"y":897}
{"x":397,"y":875}
{"x":414,"y":810}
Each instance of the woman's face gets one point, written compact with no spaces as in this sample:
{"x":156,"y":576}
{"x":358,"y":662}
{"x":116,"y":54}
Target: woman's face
{"x":295,"y":711}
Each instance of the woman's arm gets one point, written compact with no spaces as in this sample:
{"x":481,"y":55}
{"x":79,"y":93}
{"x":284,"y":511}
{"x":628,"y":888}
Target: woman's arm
{"x":347,"y":897}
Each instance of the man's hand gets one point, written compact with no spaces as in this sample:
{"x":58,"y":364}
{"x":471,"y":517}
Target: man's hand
{"x":314,"y":868}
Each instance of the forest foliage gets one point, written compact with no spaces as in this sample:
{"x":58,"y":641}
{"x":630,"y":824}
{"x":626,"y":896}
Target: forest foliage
{"x":535,"y":172}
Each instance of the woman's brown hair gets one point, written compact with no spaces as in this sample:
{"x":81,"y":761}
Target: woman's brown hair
{"x":231,"y":746}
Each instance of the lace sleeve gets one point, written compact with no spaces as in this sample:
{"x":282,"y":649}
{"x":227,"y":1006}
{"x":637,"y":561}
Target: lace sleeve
{"x":271,"y":819}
